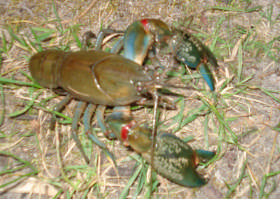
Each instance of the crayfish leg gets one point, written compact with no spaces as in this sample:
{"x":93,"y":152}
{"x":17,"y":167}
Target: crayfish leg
{"x":100,"y":111}
{"x":77,"y":115}
{"x":58,"y":108}
{"x":102,"y":34}
{"x":92,"y":135}
{"x":118,"y":46}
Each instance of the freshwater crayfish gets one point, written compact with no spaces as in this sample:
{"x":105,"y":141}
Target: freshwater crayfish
{"x":144,"y":35}
{"x":101,"y":79}
{"x":95,"y":71}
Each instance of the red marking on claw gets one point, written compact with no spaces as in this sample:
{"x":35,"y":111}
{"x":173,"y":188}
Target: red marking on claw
{"x":124,"y":132}
{"x":195,"y":159}
{"x":145,"y":23}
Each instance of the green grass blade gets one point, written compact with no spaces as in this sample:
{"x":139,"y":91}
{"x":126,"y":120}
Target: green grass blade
{"x":77,"y":39}
{"x":267,"y":92}
{"x":4,"y":47}
{"x":233,"y":9}
{"x":60,"y":28}
{"x":242,"y":175}
{"x":179,"y":117}
{"x":264,"y":181}
{"x":16,"y":82}
{"x":9,"y":171}
{"x":196,"y":113}
{"x":41,"y":34}
{"x":206,"y":136}
{"x":57,"y":195}
{"x":234,"y":138}
{"x":132,"y":179}
{"x":2,"y":115}
{"x":27,"y":107}
{"x":153,"y":188}
{"x":141,"y":182}
{"x":17,"y":179}
{"x":22,"y":41}
{"x":240,"y":62}
{"x":27,"y":163}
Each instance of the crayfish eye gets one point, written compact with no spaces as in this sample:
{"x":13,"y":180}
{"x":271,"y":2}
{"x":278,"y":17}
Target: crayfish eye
{"x":139,"y":86}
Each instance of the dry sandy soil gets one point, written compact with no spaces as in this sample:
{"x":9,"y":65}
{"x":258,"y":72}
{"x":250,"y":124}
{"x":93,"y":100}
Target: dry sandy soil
{"x":244,"y":36}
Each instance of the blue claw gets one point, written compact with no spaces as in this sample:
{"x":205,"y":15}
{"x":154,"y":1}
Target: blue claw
{"x":207,"y":75}
{"x":173,"y":158}
{"x":136,"y":42}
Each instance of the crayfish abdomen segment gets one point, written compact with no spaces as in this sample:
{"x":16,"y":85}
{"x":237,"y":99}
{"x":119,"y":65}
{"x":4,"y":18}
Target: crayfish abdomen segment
{"x":45,"y":66}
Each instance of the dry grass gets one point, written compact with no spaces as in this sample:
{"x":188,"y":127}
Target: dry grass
{"x":242,"y":125}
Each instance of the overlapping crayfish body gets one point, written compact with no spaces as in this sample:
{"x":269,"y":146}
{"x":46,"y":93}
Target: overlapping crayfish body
{"x":93,"y":76}
{"x":173,"y":158}
{"x":141,"y":36}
